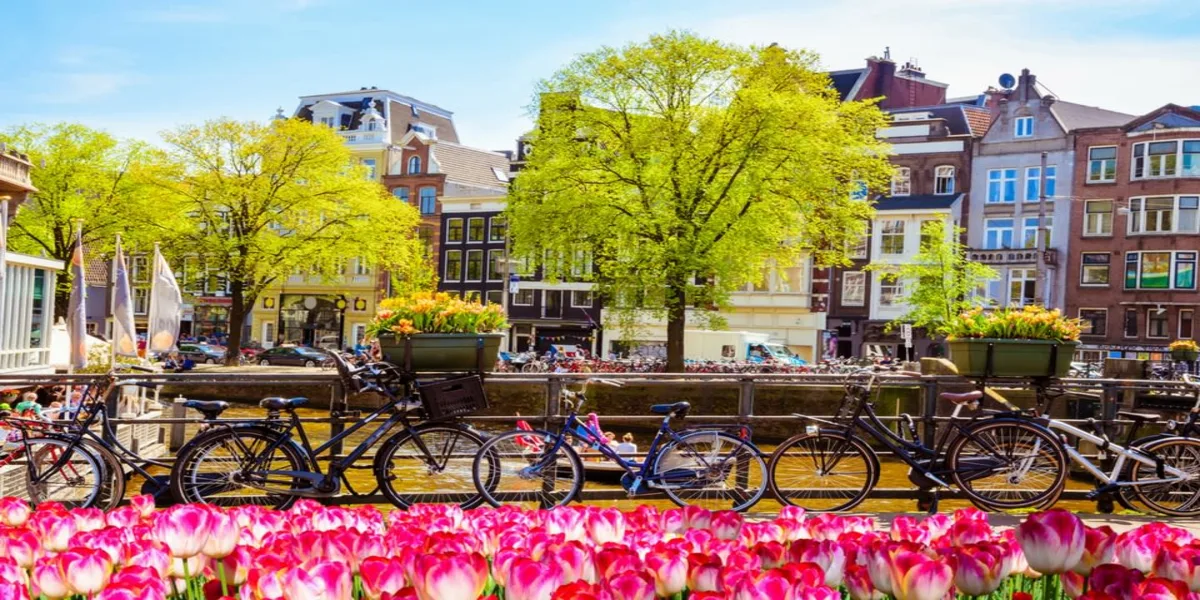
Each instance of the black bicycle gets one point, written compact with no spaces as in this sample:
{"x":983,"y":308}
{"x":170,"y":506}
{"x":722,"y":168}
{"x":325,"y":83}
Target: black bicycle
{"x":999,"y":463}
{"x":260,"y":461}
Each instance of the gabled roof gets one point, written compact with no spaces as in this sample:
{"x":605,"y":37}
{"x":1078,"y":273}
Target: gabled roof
{"x":917,"y":202}
{"x":847,"y":82}
{"x":95,"y":272}
{"x":1170,"y":116}
{"x":978,"y":119}
{"x":960,"y":119}
{"x":470,"y":166}
{"x":1077,"y":116}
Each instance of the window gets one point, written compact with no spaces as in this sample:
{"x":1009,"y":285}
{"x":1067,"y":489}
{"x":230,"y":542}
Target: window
{"x":891,"y":291}
{"x":1156,"y":323}
{"x":475,"y":229}
{"x":581,"y":299}
{"x":454,"y":230}
{"x":369,"y":163}
{"x":140,"y":269}
{"x":1094,"y":268}
{"x":361,"y":267}
{"x":1160,"y":270}
{"x":943,"y":180}
{"x":998,"y":234}
{"x":474,"y":265}
{"x":1095,"y":321}
{"x":494,"y":296}
{"x":902,"y":182}
{"x":1020,"y":287}
{"x":1186,"y":317}
{"x":523,"y":297}
{"x":471,"y":295}
{"x":891,"y":237}
{"x":453,"y":265}
{"x":428,"y":200}
{"x":581,"y":264}
{"x":414,"y":165}
{"x":328,"y":121}
{"x":860,"y":247}
{"x":1002,"y":185}
{"x":497,"y":229}
{"x":854,"y":287}
{"x":193,"y":275}
{"x":926,"y":239}
{"x":1023,"y":127}
{"x":495,"y":273}
{"x":1191,"y":159}
{"x":401,"y":194}
{"x":1164,"y":214}
{"x":215,"y":283}
{"x":1033,"y":183}
{"x":1102,"y":164}
{"x":1097,"y":217}
{"x":792,"y":280}
{"x":141,"y":301}
{"x":1131,"y":323}
{"x":1185,"y":270}
{"x":425,"y":234}
{"x":1029,"y":232}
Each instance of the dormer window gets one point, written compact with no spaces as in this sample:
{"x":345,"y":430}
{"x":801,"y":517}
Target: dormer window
{"x":428,"y":131}
{"x":414,"y":165}
{"x":328,"y":121}
{"x":1023,"y":127}
{"x":372,"y":126}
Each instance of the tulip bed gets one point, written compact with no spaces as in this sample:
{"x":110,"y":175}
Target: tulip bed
{"x":312,"y":552}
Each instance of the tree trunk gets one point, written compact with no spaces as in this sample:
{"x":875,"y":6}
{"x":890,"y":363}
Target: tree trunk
{"x":237,"y":316}
{"x":676,"y":321}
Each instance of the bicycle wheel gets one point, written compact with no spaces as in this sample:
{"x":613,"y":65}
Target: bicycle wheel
{"x":711,"y":469}
{"x":527,"y":468}
{"x":1172,"y":498}
{"x":1007,"y":464}
{"x":56,"y":471}
{"x":238,"y":465}
{"x":407,"y":474}
{"x":112,"y":490}
{"x":827,"y":471}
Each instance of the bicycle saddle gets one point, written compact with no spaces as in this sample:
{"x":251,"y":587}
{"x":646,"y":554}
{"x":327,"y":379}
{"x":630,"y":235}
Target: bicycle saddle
{"x":962,"y":398}
{"x":282,"y":403}
{"x":210,"y":410}
{"x":1132,"y":416}
{"x":679,"y":409}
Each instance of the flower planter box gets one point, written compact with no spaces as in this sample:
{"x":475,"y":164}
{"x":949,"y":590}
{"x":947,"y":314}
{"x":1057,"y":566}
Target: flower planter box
{"x":1011,"y":358}
{"x":442,"y":351}
{"x":1188,"y":355}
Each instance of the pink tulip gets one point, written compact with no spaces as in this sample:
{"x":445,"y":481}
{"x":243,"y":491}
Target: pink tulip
{"x":13,"y":591}
{"x":88,"y":519}
{"x":55,"y":529}
{"x":669,"y":568}
{"x":1098,"y":548}
{"x":222,"y":535}
{"x":906,"y":529}
{"x":969,"y":531}
{"x":14,"y":512}
{"x":704,"y":573}
{"x":918,"y":577}
{"x":826,"y":554}
{"x":766,"y":584}
{"x":819,"y":592}
{"x":1115,"y":580}
{"x":11,"y":572}
{"x":380,"y":575}
{"x":152,"y":555}
{"x":87,"y":570}
{"x":1135,"y":549}
{"x":696,"y":517}
{"x":144,"y":582}
{"x":581,"y":590}
{"x":613,"y":560}
{"x":21,"y":545}
{"x":1053,"y":541}
{"x":726,"y":524}
{"x":567,"y":521}
{"x":771,"y":554}
{"x":532,"y":580}
{"x":264,"y":584}
{"x":502,"y":563}
{"x":144,"y":504}
{"x":605,"y":525}
{"x":322,"y":581}
{"x":234,"y":567}
{"x":576,"y":560}
{"x":49,"y":579}
{"x":450,"y":576}
{"x":124,"y":517}
{"x":183,"y":528}
{"x":673,"y":521}
{"x":630,"y":585}
{"x":858,"y":582}
{"x":977,"y":572}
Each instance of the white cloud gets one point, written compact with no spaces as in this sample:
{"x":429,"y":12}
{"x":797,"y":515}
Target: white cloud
{"x":78,"y":87}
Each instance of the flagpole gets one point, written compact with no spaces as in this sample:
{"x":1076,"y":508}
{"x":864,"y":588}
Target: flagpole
{"x":112,"y":305}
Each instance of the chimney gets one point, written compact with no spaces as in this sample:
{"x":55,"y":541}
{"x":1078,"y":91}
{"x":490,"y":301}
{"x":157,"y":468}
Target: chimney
{"x":884,"y":76}
{"x":1026,"y":83}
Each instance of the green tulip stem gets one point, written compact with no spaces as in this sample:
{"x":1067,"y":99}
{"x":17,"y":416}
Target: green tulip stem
{"x":221,"y":576}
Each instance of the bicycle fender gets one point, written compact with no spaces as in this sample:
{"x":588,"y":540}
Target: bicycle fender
{"x":311,"y":464}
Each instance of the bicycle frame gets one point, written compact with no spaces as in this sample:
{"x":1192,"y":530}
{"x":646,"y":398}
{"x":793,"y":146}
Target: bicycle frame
{"x":1123,"y":454}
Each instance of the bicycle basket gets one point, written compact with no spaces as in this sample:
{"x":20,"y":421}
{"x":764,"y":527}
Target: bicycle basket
{"x":453,"y":397}
{"x":852,"y":402}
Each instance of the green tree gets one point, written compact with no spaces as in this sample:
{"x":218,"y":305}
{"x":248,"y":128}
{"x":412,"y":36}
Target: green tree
{"x":263,"y":201}
{"x":685,"y":166}
{"x":81,"y":175}
{"x":940,"y":281}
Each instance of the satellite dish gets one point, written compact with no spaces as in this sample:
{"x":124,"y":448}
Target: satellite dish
{"x":1007,"y":81}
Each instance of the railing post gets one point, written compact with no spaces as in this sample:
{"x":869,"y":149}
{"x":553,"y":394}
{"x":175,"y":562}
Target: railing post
{"x":111,"y":405}
{"x":746,"y":399}
{"x":553,"y":395}
{"x":929,"y":403}
{"x":178,"y":411}
{"x":337,"y":406}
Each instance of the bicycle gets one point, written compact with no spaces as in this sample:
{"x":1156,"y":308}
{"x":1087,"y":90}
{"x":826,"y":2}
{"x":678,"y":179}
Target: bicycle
{"x":260,"y":462}
{"x":711,"y":468}
{"x":997,"y":463}
{"x":53,"y":469}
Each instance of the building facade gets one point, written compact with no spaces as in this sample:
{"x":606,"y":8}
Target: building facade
{"x":1135,"y":234}
{"x":1007,"y":179}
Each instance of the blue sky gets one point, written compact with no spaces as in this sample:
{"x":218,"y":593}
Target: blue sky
{"x":135,"y":68}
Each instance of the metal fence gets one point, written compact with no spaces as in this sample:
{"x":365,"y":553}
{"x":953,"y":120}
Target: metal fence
{"x":1112,"y":395}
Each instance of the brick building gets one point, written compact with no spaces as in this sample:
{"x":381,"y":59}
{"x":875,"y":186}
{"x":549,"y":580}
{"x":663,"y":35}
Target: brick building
{"x":1135,"y":234}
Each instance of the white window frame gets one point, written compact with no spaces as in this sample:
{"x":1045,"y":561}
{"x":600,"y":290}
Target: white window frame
{"x":483,"y":232}
{"x":268,"y":334}
{"x":139,"y":268}
{"x":1033,"y":178}
{"x":1166,"y":316}
{"x":487,"y":296}
{"x":487,"y":273}
{"x":1104,"y":310}
{"x":467,"y":266}
{"x":896,"y":284}
{"x":369,"y":163}
{"x":1027,"y":276}
{"x":1161,"y":172}
{"x":1102,"y":218}
{"x":1030,"y":231}
{"x":861,"y":285}
{"x":361,"y":267}
{"x":1103,"y":162}
{"x":1172,"y":273}
{"x":141,"y":300}
{"x":491,"y":228}
{"x":1001,"y":177}
{"x":591,"y":299}
{"x":1083,"y":268}
{"x":943,"y":173}
{"x":462,"y":230}
{"x":884,"y":234}
{"x":1023,"y":127}
{"x":516,"y":298}
{"x":1179,"y":325}
{"x":358,"y":332}
{"x":1139,"y":215}
{"x":413,"y":166}
{"x":902,"y":182}
{"x":458,"y":275}
{"x":988,"y":229}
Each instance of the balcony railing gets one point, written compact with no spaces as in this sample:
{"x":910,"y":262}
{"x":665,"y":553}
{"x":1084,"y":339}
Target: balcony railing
{"x":14,"y":171}
{"x":364,"y":137}
{"x":1014,"y":256}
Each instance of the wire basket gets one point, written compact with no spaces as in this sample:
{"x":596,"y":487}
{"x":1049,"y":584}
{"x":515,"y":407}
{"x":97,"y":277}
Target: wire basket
{"x":455,"y":397}
{"x":852,"y":402}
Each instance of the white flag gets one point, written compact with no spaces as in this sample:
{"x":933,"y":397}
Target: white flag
{"x":3,"y":264}
{"x":124,"y":337}
{"x":77,"y":309}
{"x":166,"y":307}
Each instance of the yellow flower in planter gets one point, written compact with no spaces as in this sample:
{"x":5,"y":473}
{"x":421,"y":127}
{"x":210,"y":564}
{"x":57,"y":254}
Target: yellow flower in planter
{"x":1184,"y":346}
{"x":435,"y":313}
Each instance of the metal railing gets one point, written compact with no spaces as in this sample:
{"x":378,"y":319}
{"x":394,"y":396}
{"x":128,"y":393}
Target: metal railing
{"x":1113,"y":395}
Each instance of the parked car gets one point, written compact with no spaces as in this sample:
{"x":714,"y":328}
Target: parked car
{"x":329,"y":342}
{"x":202,"y":353}
{"x":252,"y":349}
{"x":297,"y":356}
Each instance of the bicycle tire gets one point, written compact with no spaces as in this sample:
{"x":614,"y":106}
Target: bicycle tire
{"x":190,"y":485}
{"x":112,"y":491}
{"x":1178,"y":452}
{"x":449,"y":478}
{"x":507,"y":471}
{"x":721,"y":479}
{"x":973,"y":474}
{"x":805,"y":448}
{"x":80,"y":488}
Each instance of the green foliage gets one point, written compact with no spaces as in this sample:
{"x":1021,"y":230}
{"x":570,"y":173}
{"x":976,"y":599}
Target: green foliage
{"x":1028,"y":323}
{"x":940,"y":281}
{"x":686,"y":165}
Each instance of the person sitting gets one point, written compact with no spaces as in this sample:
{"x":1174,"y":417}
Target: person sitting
{"x":171,"y":363}
{"x":626,"y":447}
{"x":187,"y":365}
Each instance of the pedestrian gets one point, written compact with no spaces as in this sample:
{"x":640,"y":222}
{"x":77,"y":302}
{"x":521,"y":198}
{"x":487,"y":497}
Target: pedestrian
{"x":627,"y":447}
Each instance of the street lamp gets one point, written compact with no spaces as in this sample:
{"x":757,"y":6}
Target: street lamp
{"x":341,"y":306}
